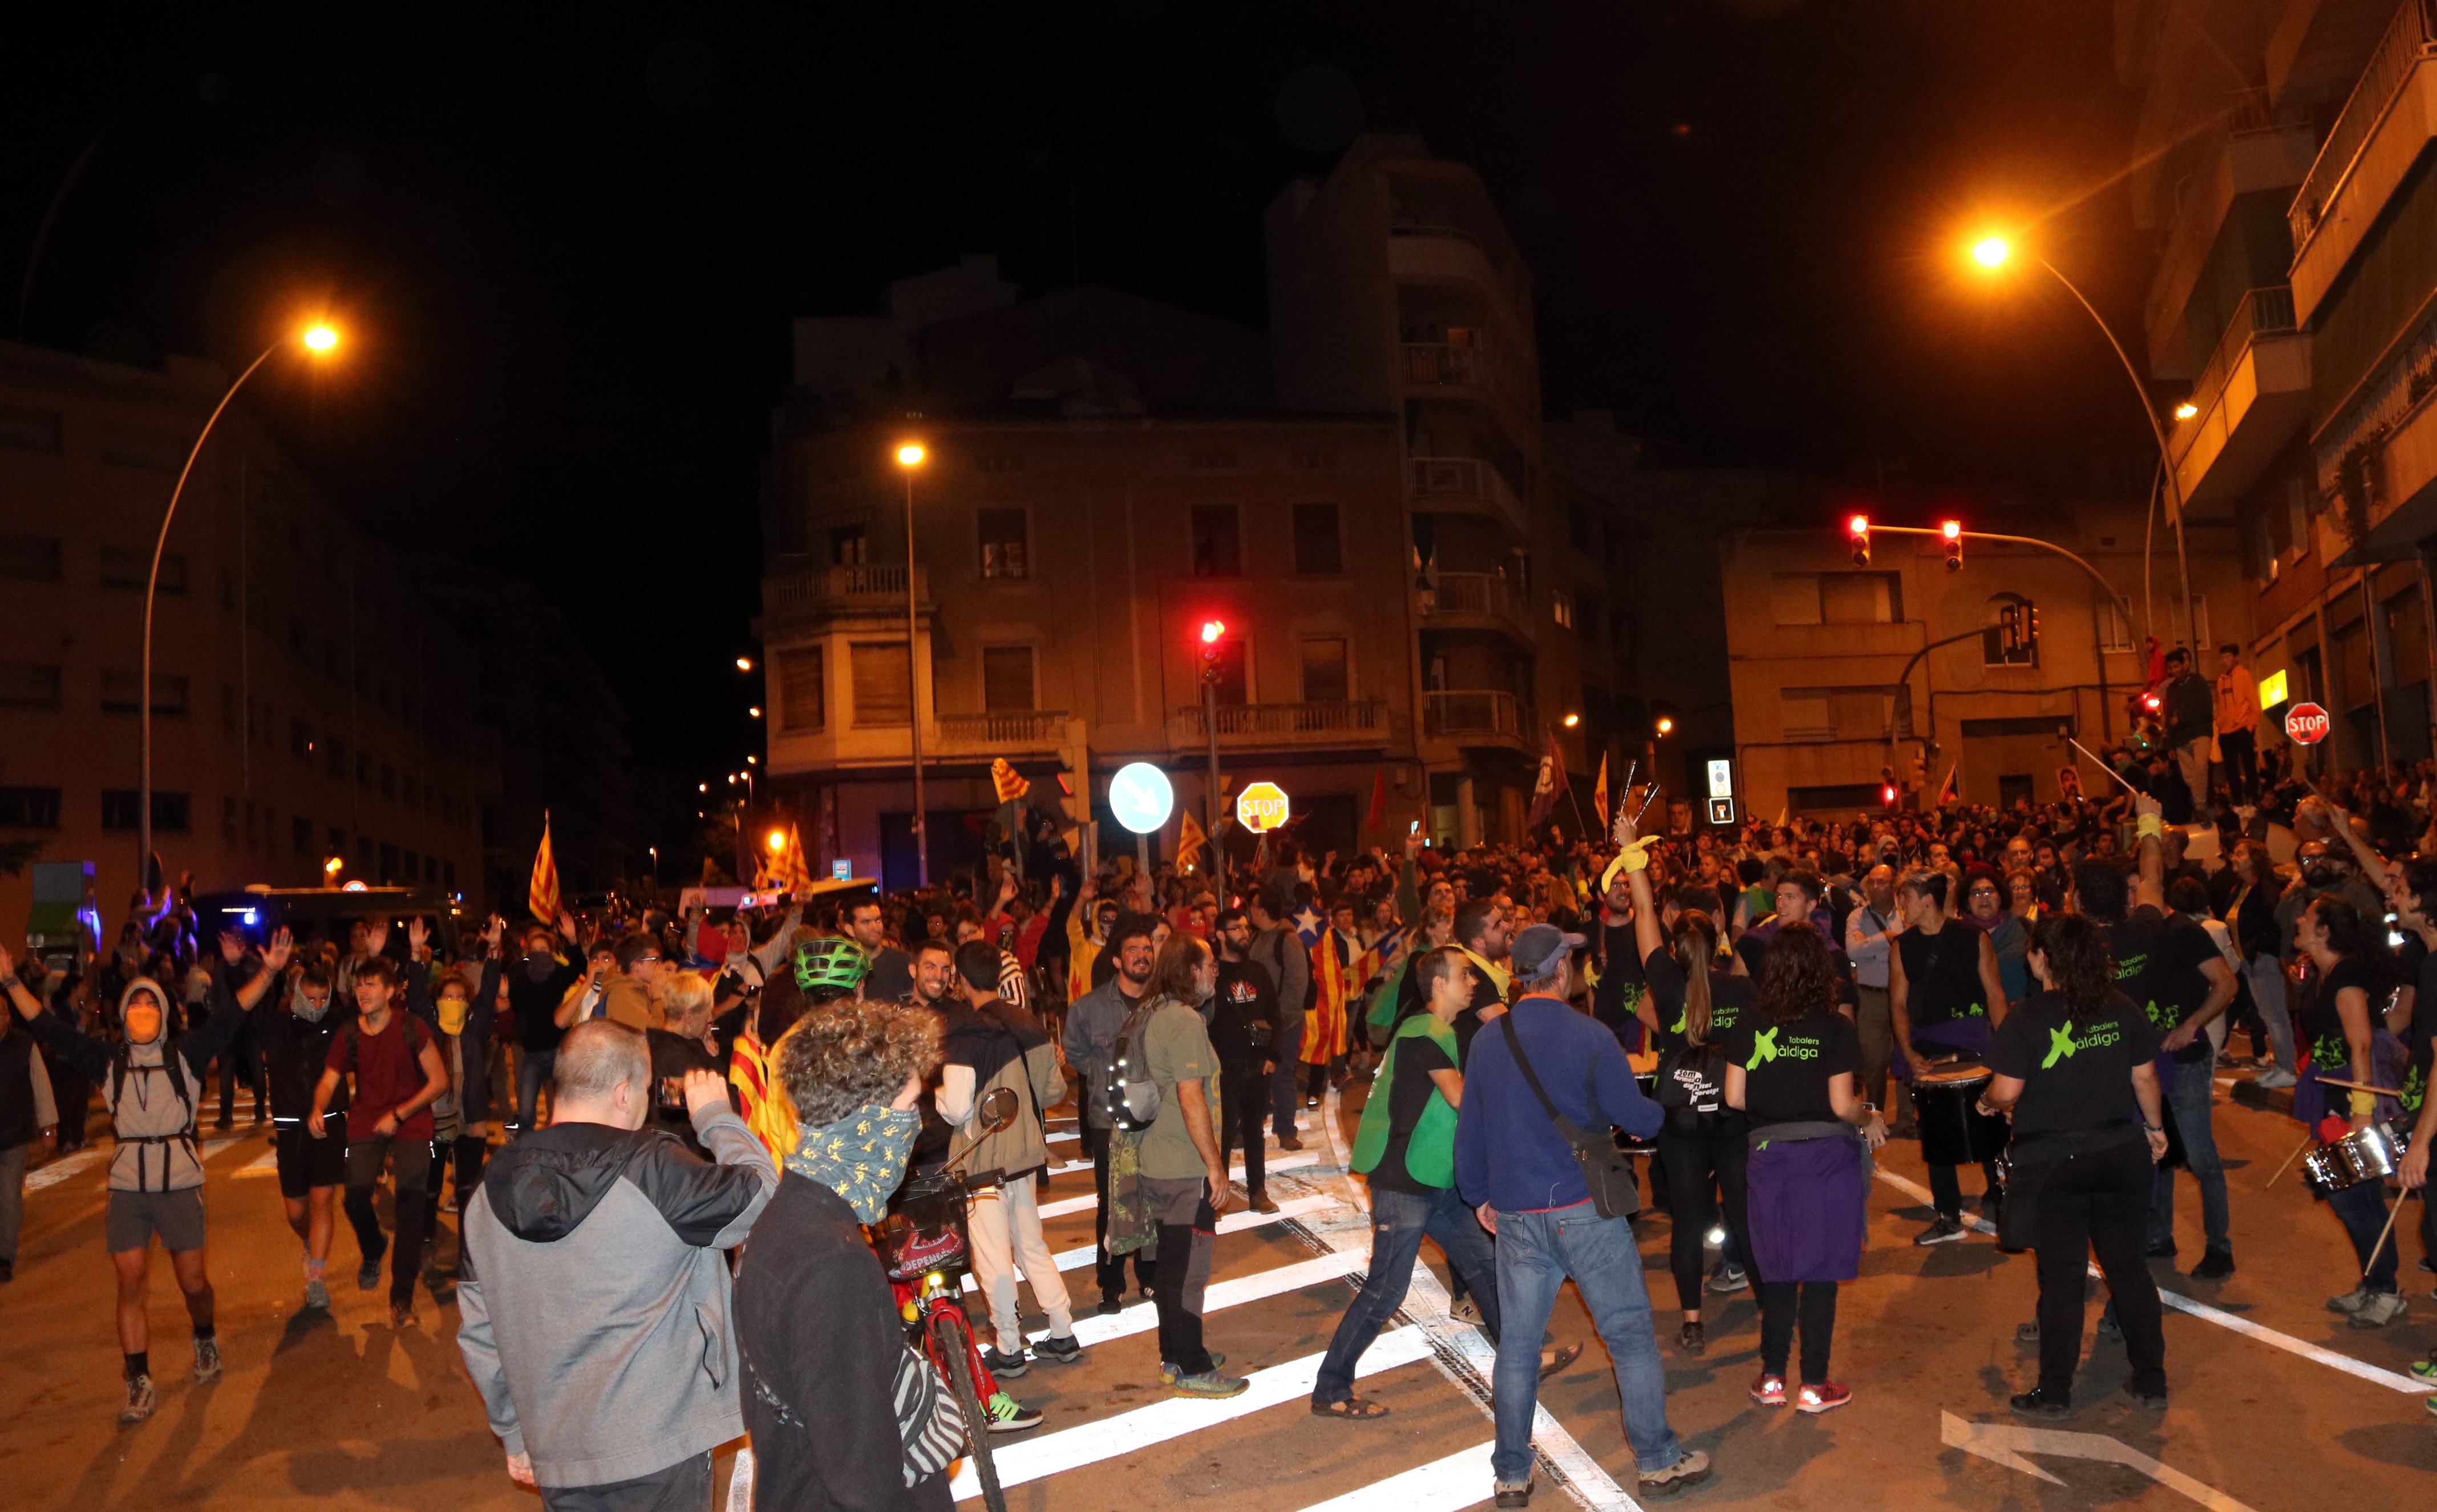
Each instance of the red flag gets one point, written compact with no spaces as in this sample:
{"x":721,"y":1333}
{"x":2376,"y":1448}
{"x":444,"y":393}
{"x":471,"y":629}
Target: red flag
{"x":1551,"y":784}
{"x":1379,"y":814}
{"x":541,"y":893}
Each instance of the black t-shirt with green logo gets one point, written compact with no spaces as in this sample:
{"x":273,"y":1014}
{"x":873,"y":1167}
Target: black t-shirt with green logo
{"x":1730,"y":1001}
{"x":2323,"y":1027}
{"x":1786,"y":1066}
{"x":2158,"y":961}
{"x":2075,"y":1065}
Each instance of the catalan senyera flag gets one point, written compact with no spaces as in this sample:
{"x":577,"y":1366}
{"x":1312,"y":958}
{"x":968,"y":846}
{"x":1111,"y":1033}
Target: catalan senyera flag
{"x":793,"y":875}
{"x":1949,"y":792}
{"x":1599,"y":794}
{"x":1011,"y":785}
{"x":541,"y":893}
{"x":1189,"y":839}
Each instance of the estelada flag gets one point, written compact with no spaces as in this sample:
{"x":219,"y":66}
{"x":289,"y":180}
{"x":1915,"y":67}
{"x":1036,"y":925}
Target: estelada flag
{"x":1948,"y":791}
{"x":541,"y":893}
{"x":1010,"y":786}
{"x":1599,"y":794}
{"x":1379,"y":813}
{"x":1189,"y":839}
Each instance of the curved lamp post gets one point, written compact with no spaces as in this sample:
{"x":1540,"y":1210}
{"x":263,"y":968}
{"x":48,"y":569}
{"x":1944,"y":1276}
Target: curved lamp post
{"x":318,"y":340}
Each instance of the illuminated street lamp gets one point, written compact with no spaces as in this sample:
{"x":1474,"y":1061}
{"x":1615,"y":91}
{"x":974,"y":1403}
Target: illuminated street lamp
{"x":1572,"y":720}
{"x":319,"y":338}
{"x":910,"y":456}
{"x":744,"y":663}
{"x":1992,"y":251}
{"x":776,"y":839}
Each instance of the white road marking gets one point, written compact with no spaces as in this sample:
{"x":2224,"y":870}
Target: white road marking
{"x":1075,"y":1260}
{"x":1142,"y":1317}
{"x":1066,"y":1137}
{"x":264,"y":1164}
{"x":2006,"y":1443}
{"x":1447,"y":1485}
{"x":2392,"y":1379}
{"x":93,"y":1155}
{"x":1090,"y":1200}
{"x":1176,"y":1418}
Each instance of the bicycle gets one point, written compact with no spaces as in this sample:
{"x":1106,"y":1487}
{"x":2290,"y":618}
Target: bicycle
{"x":926,"y":1249}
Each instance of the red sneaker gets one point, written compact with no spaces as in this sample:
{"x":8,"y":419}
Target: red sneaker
{"x":1826,"y":1397}
{"x":1768,"y":1390}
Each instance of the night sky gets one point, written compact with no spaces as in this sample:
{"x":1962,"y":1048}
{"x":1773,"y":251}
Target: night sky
{"x":568,"y":251}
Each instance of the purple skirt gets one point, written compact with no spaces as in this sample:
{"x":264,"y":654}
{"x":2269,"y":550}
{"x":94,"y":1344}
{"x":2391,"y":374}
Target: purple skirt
{"x":1808,"y":1210}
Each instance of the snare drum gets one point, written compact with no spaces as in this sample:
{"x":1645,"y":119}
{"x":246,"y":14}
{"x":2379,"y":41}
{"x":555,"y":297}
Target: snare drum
{"x":2370,"y":1155}
{"x":1954,"y":1132}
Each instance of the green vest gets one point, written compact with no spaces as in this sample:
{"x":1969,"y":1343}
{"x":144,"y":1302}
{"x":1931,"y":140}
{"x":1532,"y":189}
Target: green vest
{"x":1429,"y":1151}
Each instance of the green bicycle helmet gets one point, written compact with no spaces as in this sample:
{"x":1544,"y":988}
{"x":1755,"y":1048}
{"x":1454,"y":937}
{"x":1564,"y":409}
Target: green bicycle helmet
{"x":830,"y":962}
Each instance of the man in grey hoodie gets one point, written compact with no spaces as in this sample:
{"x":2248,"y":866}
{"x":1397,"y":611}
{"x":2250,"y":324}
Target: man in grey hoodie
{"x":595,"y":1296}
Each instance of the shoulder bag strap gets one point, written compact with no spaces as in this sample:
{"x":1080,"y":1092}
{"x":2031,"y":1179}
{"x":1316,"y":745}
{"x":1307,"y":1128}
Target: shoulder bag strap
{"x":1523,"y":1063}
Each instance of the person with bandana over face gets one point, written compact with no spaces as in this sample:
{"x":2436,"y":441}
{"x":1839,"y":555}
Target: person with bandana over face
{"x":152,"y":1086}
{"x":293,"y":1029}
{"x":594,"y":1294}
{"x":817,"y":1329}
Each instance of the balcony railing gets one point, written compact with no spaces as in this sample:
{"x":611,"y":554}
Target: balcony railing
{"x":819,"y":589}
{"x":1027,"y":730}
{"x":1474,"y":595}
{"x":2201,"y":212}
{"x":2408,"y":38}
{"x":1473,"y":713}
{"x":1353,"y":722}
{"x":2263,"y":312}
{"x":1462,"y":477}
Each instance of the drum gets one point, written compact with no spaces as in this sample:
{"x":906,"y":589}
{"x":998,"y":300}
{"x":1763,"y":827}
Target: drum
{"x":2370,"y":1155}
{"x":1954,"y":1132}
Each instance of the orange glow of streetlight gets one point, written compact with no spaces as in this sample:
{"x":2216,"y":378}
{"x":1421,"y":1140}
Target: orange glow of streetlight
{"x":1572,"y":720}
{"x":911,"y":454}
{"x":744,"y":663}
{"x":2186,"y":409}
{"x":1667,"y":724}
{"x":320,"y":337}
{"x":1992,"y":251}
{"x":776,"y":839}
{"x":753,"y":713}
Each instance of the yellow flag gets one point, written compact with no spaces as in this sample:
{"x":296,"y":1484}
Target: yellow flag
{"x":1599,"y":794}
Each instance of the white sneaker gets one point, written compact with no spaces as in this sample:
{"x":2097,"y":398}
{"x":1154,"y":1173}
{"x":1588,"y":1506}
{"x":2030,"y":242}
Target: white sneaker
{"x":2273,"y":1078}
{"x":2352,"y":1301}
{"x":2381,"y":1310}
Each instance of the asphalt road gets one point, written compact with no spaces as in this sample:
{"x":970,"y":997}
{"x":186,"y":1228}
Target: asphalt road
{"x":2277,"y":1404}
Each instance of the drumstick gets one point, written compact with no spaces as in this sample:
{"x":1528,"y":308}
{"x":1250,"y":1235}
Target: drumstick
{"x":2391,"y":1214}
{"x":2307,"y":1140}
{"x":2359,"y":1087}
{"x":2104,"y":766}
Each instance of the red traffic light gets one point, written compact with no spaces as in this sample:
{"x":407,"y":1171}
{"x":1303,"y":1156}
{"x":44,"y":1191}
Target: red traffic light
{"x":1952,"y":531}
{"x":1887,"y":796}
{"x":1211,"y":631}
{"x":1858,"y":527}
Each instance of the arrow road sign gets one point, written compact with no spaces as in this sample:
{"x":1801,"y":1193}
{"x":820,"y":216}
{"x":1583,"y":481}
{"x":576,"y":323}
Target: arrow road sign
{"x":2006,"y":1443}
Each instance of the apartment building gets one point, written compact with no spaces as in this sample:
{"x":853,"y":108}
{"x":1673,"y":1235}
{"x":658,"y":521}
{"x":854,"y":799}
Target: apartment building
{"x":2296,"y":294}
{"x":1357,"y":498}
{"x":307,"y":708}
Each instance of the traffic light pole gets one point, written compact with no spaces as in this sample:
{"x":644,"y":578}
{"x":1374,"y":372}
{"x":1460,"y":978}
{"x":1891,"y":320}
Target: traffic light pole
{"x":1213,"y":863}
{"x":2123,"y":605}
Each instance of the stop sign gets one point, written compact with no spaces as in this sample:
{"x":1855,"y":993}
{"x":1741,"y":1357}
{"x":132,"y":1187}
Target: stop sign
{"x":1262,"y":807}
{"x":2306,"y":724}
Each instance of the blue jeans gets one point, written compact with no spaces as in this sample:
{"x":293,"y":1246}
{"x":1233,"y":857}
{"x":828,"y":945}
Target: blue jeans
{"x":1398,"y":1222}
{"x":1535,"y":1253}
{"x":1289,"y":1077}
{"x":532,"y":1072}
{"x":2187,"y":1089}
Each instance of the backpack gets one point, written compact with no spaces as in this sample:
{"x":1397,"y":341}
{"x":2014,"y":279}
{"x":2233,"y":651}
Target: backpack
{"x":1132,"y":1097}
{"x":171,"y":1061}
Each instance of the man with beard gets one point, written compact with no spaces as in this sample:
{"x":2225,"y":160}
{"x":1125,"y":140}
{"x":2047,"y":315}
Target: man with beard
{"x":1244,"y":1030}
{"x":1091,"y":1025}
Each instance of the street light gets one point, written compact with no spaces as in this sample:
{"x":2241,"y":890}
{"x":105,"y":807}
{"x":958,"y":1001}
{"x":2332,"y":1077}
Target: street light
{"x":744,"y":663}
{"x":776,"y":839}
{"x":753,"y":712}
{"x":910,"y":456}
{"x":319,"y":339}
{"x":1993,"y":252}
{"x":1666,"y":725}
{"x":1572,"y":720}
{"x":2186,"y":409}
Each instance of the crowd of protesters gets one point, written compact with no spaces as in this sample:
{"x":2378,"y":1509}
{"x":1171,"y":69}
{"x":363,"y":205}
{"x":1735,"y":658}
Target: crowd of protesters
{"x":1752,"y":1007}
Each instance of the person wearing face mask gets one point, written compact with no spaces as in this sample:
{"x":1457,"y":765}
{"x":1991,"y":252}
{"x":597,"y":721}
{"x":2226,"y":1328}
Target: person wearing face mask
{"x":152,"y":1086}
{"x":292,"y":1028}
{"x":537,"y":985}
{"x":595,"y":1292}
{"x":817,"y":1332}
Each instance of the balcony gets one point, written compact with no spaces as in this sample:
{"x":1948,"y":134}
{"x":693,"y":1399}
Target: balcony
{"x":2263,"y":148}
{"x":2253,"y":395}
{"x":1491,"y":372}
{"x":1030,"y":732}
{"x":2377,"y":140}
{"x":823,"y":593}
{"x":1354,"y":723}
{"x":1464,"y":484}
{"x":1478,"y":718}
{"x":1475,"y":600}
{"x":2401,"y":480}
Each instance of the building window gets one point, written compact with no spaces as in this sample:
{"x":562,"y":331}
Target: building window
{"x":300,"y":739}
{"x":1843,"y":713}
{"x":338,"y":758}
{"x":30,"y":429}
{"x":1561,"y":609}
{"x":1003,"y":538}
{"x":30,"y":808}
{"x":881,"y":694}
{"x":1218,"y":549}
{"x":30,"y":686}
{"x":338,"y":843}
{"x":30,"y":558}
{"x":300,"y":836}
{"x":1319,"y":549}
{"x":849,"y":547}
{"x":119,"y":807}
{"x":804,"y":692}
{"x":2114,"y":632}
{"x":1994,"y":651}
{"x":1325,"y":679}
{"x":130,"y":567}
{"x":1006,"y":679}
{"x":1838,"y":599}
{"x":118,"y":693}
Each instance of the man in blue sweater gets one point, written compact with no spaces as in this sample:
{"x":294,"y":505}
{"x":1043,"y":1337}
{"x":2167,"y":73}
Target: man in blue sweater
{"x":1517,"y":1172}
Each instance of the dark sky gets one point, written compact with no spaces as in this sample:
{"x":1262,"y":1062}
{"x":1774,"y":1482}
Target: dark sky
{"x":568,"y":248}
